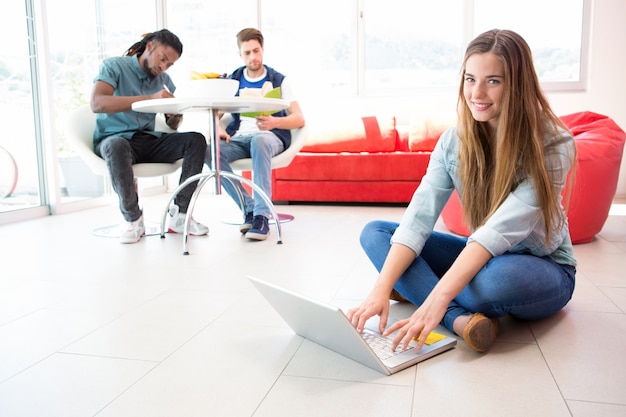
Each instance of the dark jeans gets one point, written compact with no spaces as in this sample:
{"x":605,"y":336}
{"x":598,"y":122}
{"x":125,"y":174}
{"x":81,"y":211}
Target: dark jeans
{"x":120,"y":154}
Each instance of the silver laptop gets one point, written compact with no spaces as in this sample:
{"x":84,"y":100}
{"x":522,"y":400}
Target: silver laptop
{"x":328,"y":326}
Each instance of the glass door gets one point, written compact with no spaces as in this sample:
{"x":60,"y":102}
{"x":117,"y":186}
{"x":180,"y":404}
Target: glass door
{"x":46,"y":71}
{"x":20,"y":180}
{"x":76,"y":48}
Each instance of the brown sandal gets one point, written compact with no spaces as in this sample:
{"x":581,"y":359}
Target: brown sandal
{"x":395,"y":296}
{"x":480,"y":332}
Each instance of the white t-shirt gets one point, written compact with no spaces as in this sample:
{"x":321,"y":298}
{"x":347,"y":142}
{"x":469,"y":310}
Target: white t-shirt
{"x":248,"y":124}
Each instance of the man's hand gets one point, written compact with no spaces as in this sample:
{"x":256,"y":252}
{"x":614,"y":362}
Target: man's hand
{"x":221,"y":134}
{"x":103,"y":100}
{"x":161,"y":94}
{"x":266,"y":122}
{"x":173,"y":120}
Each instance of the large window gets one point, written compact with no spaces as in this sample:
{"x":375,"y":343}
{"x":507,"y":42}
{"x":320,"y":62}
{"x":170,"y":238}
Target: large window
{"x":410,"y":47}
{"x":352,"y":49}
{"x":207,"y":31}
{"x":106,"y":28}
{"x":73,"y":59}
{"x":555,"y":31}
{"x":373,"y":48}
{"x":316,"y":45}
{"x":19,"y":174}
{"x":417,"y":48}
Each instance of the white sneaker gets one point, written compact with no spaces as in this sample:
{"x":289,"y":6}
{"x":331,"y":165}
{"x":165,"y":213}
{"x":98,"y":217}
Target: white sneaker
{"x":177,"y":223}
{"x":132,"y":231}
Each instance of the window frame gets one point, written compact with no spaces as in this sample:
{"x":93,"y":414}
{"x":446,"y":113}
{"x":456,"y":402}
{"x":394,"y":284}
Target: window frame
{"x":469,"y":33}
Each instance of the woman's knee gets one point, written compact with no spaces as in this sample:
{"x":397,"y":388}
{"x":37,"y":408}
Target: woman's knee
{"x":520,"y":285}
{"x":375,"y":240}
{"x":372,"y":231}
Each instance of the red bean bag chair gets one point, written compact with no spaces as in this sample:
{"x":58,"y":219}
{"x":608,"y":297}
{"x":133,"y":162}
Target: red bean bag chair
{"x":599,"y":147}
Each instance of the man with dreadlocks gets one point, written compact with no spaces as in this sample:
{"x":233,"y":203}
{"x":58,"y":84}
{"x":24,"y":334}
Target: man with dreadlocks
{"x":124,"y":137}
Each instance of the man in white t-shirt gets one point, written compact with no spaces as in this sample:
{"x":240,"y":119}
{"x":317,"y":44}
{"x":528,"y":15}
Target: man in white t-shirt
{"x":260,"y":137}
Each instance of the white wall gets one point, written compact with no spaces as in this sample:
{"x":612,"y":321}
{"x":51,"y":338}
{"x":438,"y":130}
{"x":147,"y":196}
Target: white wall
{"x":606,"y":89}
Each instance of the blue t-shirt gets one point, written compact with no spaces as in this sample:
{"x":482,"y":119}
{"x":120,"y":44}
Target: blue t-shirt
{"x":127,"y":77}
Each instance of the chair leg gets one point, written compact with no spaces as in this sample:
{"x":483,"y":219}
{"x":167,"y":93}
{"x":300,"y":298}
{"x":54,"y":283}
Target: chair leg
{"x":282,"y":217}
{"x":202,"y":179}
{"x":264,"y":196}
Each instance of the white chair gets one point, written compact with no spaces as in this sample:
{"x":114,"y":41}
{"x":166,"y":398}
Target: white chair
{"x":283,"y":159}
{"x":79,"y":133}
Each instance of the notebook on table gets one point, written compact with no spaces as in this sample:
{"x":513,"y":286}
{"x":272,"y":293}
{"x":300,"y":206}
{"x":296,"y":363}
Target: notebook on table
{"x":328,"y":326}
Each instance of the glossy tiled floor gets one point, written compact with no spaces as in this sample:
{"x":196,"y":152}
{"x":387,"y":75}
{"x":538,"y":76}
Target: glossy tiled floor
{"x":89,"y":327}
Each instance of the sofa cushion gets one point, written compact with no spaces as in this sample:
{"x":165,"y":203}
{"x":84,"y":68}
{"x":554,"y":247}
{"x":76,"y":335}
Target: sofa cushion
{"x":355,"y":167}
{"x":351,"y":134}
{"x":424,"y":133}
{"x":397,"y":191}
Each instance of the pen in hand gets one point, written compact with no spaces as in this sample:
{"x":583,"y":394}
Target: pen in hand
{"x":171,"y":117}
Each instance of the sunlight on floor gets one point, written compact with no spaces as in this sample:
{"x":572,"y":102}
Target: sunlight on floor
{"x":618,"y":209}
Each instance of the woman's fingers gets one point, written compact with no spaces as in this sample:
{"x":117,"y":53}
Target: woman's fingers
{"x":408,"y":330}
{"x":358,"y":316}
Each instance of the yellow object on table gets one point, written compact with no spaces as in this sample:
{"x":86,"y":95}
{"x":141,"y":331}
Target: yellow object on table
{"x":196,"y":75}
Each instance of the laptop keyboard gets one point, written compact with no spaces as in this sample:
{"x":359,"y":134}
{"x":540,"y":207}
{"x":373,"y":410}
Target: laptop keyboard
{"x":382,"y":346}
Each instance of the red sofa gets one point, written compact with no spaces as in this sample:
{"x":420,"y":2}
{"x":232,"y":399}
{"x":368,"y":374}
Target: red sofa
{"x":366,"y":160}
{"x":599,"y":147}
{"x":374,"y":160}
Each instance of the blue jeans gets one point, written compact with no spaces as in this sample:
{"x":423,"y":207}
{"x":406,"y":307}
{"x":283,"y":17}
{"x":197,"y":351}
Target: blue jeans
{"x":120,"y":154}
{"x":261,"y":147}
{"x":521,"y":285}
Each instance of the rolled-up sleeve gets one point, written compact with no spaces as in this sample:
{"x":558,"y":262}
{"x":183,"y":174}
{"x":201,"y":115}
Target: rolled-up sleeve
{"x":518,"y":224}
{"x":513,"y":222}
{"x":430,"y":196}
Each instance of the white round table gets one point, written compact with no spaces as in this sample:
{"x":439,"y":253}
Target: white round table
{"x":212,"y":106}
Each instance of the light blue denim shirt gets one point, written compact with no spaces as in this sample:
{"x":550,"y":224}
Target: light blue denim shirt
{"x":516,"y":226}
{"x":127,"y":78}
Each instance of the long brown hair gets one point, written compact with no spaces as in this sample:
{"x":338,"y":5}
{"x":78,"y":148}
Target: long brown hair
{"x":488,"y":174}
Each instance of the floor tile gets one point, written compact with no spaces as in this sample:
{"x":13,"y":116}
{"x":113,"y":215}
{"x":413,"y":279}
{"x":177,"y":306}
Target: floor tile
{"x":223,"y":371}
{"x":511,"y":380}
{"x":304,"y":397}
{"x":585,"y":353}
{"x":69,"y":386}
{"x":34,"y":337}
{"x":157,"y":328}
{"x":589,"y":409}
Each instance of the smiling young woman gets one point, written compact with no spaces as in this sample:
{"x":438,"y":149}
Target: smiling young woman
{"x":508,"y":158}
